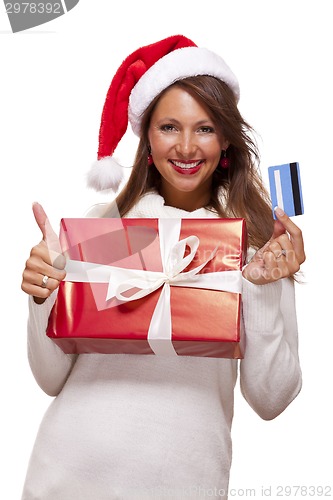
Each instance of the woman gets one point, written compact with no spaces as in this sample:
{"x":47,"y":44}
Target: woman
{"x":128,"y":426}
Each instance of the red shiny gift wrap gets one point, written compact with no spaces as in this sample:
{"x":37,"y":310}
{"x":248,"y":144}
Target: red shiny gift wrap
{"x":151,"y":286}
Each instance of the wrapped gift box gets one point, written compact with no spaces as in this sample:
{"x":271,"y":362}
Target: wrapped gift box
{"x":151,"y":286}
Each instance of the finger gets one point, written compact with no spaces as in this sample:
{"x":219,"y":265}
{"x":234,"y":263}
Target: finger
{"x":270,"y":267}
{"x":49,"y":236}
{"x":294,"y":232}
{"x":35,"y":291}
{"x":278,"y":230}
{"x":281,"y":246}
{"x":39,"y":265}
{"x":31,"y":278}
{"x":259,"y":253}
{"x":58,"y":261}
{"x":275,"y":248}
{"x":44,"y":281}
{"x":32,"y":284}
{"x":280,"y":262}
{"x":43,"y":222}
{"x":40,"y":256}
{"x":275,"y":269}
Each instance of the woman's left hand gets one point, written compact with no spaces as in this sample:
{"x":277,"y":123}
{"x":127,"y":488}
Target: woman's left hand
{"x":282,"y":255}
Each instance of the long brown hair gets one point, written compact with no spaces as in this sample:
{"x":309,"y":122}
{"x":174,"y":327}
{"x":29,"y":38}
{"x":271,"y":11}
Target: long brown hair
{"x":243,"y":192}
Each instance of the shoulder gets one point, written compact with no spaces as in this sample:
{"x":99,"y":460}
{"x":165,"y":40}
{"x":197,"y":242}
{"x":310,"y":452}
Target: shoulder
{"x":96,"y":210}
{"x":150,"y":204}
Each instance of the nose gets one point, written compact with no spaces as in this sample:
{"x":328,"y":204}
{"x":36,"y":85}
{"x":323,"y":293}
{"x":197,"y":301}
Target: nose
{"x":186,"y":145}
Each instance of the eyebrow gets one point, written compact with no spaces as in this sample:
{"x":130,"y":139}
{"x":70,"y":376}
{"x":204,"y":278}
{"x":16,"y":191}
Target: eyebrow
{"x":174,"y":120}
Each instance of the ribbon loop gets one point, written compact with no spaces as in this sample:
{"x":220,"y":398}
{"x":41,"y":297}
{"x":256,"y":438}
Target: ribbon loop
{"x":176,"y":262}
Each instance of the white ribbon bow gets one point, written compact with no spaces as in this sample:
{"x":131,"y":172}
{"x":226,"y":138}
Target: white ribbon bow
{"x":173,"y":261}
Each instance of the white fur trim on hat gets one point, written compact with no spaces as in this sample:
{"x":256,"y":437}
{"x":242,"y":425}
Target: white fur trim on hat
{"x":105,"y":174}
{"x":179,"y":64}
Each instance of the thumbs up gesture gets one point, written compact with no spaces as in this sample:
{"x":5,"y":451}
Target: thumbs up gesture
{"x":44,"y":269}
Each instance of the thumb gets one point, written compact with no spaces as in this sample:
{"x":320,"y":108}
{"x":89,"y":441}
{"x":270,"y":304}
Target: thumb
{"x":278,"y":230}
{"x":49,"y":236}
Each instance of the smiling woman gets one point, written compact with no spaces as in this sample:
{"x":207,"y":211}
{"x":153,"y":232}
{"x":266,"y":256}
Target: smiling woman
{"x":158,"y":426}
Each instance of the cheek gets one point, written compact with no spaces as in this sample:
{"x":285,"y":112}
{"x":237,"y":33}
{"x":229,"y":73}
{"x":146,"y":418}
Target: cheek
{"x":212,"y":148}
{"x":210,"y":142}
{"x":160,"y":145}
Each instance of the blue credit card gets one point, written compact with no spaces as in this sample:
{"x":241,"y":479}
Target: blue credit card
{"x":285,"y":187}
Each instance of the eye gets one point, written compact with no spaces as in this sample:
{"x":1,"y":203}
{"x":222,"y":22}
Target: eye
{"x":206,"y":129}
{"x":168,"y":127}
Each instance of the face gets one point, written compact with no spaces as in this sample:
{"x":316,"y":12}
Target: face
{"x":186,"y":149}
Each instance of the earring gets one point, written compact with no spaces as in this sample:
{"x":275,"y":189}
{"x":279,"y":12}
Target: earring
{"x":149,"y":157}
{"x":150,"y":160}
{"x":224,"y":160}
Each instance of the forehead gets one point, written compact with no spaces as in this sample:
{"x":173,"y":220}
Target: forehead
{"x":177,"y":102}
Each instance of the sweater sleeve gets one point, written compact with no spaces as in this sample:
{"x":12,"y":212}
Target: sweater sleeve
{"x":49,"y":364}
{"x":270,"y":373}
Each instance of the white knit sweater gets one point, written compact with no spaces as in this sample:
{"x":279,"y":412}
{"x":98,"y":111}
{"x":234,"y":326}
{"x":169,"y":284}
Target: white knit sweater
{"x":140,"y":427}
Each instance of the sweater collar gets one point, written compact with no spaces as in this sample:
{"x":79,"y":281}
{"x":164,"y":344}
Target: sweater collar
{"x":152,"y":205}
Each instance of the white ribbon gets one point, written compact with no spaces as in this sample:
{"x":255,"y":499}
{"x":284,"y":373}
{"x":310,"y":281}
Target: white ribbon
{"x":122,"y":280}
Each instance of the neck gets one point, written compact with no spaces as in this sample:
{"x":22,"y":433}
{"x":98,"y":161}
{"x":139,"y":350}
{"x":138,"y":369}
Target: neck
{"x":185,"y":201}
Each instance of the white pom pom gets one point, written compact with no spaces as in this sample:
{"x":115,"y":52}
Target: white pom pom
{"x":105,"y":174}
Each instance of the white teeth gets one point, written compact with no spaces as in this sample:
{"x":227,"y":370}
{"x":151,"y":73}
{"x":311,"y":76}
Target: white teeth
{"x":179,"y":164}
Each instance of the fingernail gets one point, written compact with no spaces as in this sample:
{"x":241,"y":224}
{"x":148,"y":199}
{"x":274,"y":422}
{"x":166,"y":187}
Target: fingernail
{"x":279,"y":211}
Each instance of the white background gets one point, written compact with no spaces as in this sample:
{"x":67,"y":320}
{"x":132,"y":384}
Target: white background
{"x":53,"y":83}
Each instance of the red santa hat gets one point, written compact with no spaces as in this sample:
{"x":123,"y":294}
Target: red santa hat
{"x":139,"y":79}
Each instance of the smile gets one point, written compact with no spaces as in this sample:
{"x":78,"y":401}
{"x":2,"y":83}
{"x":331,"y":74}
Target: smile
{"x":187,"y":167}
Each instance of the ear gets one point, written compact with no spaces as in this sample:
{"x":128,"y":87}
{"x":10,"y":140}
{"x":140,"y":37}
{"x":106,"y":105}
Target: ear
{"x":225,"y":144}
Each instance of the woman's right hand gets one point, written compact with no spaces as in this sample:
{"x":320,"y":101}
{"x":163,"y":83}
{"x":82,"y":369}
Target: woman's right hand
{"x":44,"y":269}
